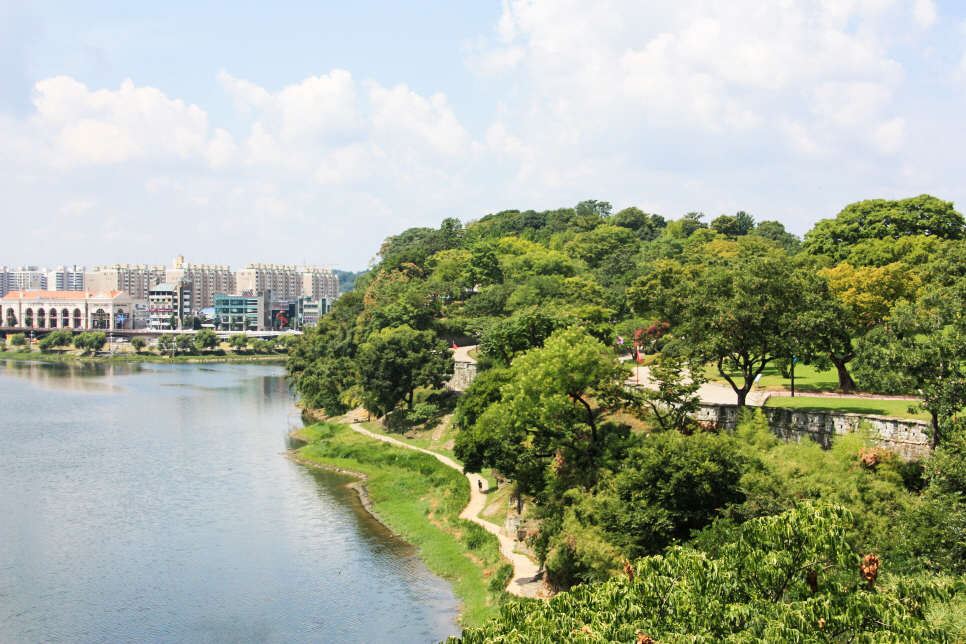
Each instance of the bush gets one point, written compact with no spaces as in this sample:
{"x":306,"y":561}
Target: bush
{"x":18,"y":339}
{"x":422,"y":412}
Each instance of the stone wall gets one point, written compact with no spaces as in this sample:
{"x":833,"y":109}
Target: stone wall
{"x":463,"y":375}
{"x":908,"y":438}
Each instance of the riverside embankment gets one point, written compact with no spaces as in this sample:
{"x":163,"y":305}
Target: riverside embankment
{"x":421,"y":499}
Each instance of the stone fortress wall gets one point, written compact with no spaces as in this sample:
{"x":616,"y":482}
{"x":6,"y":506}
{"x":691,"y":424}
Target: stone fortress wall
{"x":908,"y":438}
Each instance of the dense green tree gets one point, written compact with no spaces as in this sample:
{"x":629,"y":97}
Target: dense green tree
{"x":789,"y":578}
{"x":183,"y":342}
{"x":686,"y":226}
{"x":775,"y":231}
{"x":394,"y":362}
{"x":503,"y":340}
{"x":321,"y":365}
{"x":551,"y":409}
{"x":881,"y":219}
{"x":646,"y":227}
{"x":61,"y":338}
{"x":727,"y":226}
{"x":238,"y":341}
{"x":672,"y":485}
{"x":594,"y":247}
{"x":18,"y":339}
{"x":138,"y":344}
{"x":206,"y":339}
{"x":920,"y":349}
{"x":739,"y":316}
{"x":165,"y":344}
{"x":91,"y":341}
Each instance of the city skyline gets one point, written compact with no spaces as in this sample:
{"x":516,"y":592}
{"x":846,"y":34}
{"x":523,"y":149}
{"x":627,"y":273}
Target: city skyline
{"x":316,"y":130}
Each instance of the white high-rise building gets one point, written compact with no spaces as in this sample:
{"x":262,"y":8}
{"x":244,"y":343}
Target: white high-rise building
{"x":206,"y":280}
{"x":66,"y":278}
{"x":27,"y":278}
{"x":135,"y":280}
{"x":4,"y":280}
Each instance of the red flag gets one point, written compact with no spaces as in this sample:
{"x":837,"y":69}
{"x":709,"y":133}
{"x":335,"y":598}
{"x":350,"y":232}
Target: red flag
{"x":640,"y":358}
{"x":455,"y":347}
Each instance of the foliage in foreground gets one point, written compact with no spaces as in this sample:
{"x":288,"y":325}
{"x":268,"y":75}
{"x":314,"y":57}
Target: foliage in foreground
{"x":786,"y":578}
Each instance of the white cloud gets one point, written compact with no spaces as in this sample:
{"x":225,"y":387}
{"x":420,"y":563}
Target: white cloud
{"x":890,"y":137}
{"x":924,"y":11}
{"x":77,"y":206}
{"x":80,"y":127}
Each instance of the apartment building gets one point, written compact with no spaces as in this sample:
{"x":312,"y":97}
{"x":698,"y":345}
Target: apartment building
{"x":284,"y":282}
{"x":27,"y":278}
{"x":205,"y":280}
{"x":66,"y":278}
{"x":134,"y":279}
{"x":320,"y":284}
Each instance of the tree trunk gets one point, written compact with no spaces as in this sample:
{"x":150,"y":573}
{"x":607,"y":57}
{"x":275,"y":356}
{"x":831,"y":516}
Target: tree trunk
{"x":935,"y":429}
{"x":742,"y":395}
{"x":846,"y":384}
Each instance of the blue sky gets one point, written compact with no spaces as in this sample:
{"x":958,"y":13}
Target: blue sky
{"x":232,"y":132}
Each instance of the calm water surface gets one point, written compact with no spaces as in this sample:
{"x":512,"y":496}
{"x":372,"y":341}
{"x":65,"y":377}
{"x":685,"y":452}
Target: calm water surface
{"x":149,"y":503}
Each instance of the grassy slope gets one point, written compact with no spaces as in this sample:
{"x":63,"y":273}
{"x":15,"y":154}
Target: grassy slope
{"x":420,"y":498}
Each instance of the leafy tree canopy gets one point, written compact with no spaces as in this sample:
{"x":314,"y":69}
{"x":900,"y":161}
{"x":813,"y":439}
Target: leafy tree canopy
{"x":882,"y":219}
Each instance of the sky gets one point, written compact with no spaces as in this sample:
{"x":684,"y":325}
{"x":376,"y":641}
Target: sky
{"x":308,"y":132}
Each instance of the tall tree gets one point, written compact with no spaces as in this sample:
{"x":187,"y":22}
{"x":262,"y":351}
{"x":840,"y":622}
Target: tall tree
{"x":393,"y":363}
{"x":921,"y":348}
{"x":740,"y":316}
{"x":881,"y":219}
{"x":551,"y":408}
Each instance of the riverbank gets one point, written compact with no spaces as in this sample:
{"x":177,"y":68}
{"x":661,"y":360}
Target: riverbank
{"x":420,"y":499}
{"x":137,"y":357}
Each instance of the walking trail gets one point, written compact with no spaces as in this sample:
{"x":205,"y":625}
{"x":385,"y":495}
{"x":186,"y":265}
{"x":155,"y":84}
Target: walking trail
{"x":527,"y":577}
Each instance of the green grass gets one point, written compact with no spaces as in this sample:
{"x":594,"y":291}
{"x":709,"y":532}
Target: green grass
{"x":895,"y":408}
{"x":420,"y":498}
{"x":806,"y":378}
{"x":422,"y":438}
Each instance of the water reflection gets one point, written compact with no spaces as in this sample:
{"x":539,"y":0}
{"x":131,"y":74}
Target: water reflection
{"x":163,"y":512}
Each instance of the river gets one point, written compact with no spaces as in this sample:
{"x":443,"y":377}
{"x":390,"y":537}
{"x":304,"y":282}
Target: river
{"x":151,"y":503}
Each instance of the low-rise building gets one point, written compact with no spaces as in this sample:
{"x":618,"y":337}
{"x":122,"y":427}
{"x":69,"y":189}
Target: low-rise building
{"x":85,"y":310}
{"x":243,"y":312}
{"x":310,"y":311}
{"x":168,"y":305}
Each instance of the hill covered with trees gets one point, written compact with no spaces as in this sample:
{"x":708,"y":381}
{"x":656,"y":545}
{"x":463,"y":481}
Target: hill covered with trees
{"x":625,"y":491}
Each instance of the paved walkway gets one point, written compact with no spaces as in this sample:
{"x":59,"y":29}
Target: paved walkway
{"x":709,"y":392}
{"x":462,"y":354}
{"x":527,"y":578}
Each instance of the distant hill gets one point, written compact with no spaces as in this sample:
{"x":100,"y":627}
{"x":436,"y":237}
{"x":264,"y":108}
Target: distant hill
{"x":347,"y":280}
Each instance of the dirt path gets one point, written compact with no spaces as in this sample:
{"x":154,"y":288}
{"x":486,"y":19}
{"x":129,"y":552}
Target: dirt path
{"x":527,"y":578}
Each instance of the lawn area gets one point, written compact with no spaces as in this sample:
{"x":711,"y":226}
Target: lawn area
{"x":806,"y":378}
{"x":894,"y":408}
